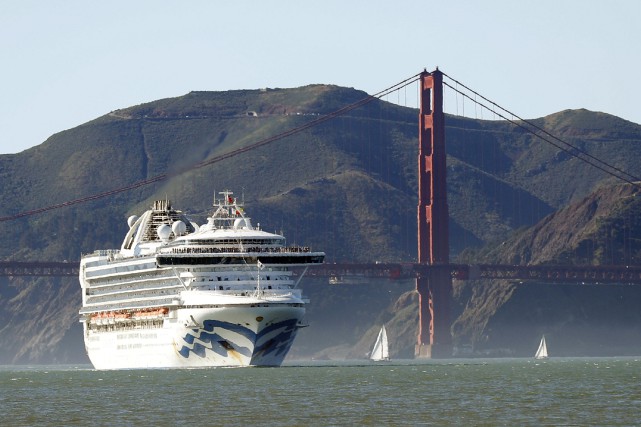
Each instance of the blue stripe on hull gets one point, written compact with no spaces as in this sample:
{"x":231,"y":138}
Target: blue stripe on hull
{"x":270,"y":352}
{"x":273,"y":351}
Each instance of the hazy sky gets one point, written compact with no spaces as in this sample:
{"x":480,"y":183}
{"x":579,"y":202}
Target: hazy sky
{"x":65,"y":62}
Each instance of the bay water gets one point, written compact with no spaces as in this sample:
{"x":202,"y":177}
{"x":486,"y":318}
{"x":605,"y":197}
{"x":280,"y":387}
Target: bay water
{"x":456,"y":392}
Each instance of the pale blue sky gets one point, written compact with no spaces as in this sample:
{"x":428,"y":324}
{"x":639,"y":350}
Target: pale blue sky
{"x":66,"y":62}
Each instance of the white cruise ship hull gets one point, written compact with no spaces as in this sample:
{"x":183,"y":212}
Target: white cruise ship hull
{"x":200,"y":337}
{"x":179,"y":295}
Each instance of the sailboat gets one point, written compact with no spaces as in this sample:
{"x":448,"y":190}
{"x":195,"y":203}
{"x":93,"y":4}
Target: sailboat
{"x":381,"y":347}
{"x":542,"y":352}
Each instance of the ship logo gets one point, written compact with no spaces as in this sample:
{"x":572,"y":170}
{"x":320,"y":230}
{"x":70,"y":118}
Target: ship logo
{"x":271,"y":342}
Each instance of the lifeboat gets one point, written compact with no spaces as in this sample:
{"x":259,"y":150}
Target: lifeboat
{"x":121,"y":317}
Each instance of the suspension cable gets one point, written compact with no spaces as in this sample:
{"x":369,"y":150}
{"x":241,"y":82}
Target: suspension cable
{"x":567,"y":150}
{"x":572,"y":150}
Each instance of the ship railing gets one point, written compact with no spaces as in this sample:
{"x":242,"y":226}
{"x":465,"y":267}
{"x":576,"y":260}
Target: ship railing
{"x":133,"y":305}
{"x":267,"y":292}
{"x":225,"y":250}
{"x":133,"y":291}
{"x":140,"y":280}
{"x":103,"y":252}
{"x":262,"y":294}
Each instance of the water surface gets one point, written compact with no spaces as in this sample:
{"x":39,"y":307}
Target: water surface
{"x":585,"y":392}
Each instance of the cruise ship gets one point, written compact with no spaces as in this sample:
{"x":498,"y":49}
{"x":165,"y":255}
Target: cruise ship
{"x":179,"y":295}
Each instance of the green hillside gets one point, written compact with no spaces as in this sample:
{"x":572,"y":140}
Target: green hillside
{"x":347,"y":186}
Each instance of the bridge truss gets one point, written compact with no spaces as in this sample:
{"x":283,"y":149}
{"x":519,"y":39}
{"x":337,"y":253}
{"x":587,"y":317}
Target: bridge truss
{"x":586,"y":275}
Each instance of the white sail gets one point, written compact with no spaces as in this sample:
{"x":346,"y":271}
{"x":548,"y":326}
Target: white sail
{"x":542,"y":352}
{"x":381,"y":347}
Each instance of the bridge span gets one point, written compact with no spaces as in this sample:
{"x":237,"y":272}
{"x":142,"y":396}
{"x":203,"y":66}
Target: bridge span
{"x":587,"y":275}
{"x":351,"y":272}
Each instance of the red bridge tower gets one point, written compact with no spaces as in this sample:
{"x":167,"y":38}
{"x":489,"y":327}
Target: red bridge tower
{"x":434,"y":288}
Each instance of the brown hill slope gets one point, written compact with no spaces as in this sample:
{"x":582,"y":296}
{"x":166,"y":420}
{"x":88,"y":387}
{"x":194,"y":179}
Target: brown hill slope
{"x":578,"y":320}
{"x":604,"y":228}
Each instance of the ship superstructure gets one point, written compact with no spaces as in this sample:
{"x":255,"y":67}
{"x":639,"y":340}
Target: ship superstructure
{"x":179,"y":295}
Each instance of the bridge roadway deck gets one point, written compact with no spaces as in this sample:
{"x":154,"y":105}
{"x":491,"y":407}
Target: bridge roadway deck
{"x":351,"y":272}
{"x":620,"y":274}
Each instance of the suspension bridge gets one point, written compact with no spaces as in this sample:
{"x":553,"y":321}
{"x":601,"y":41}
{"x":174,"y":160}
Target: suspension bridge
{"x":433,"y":271}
